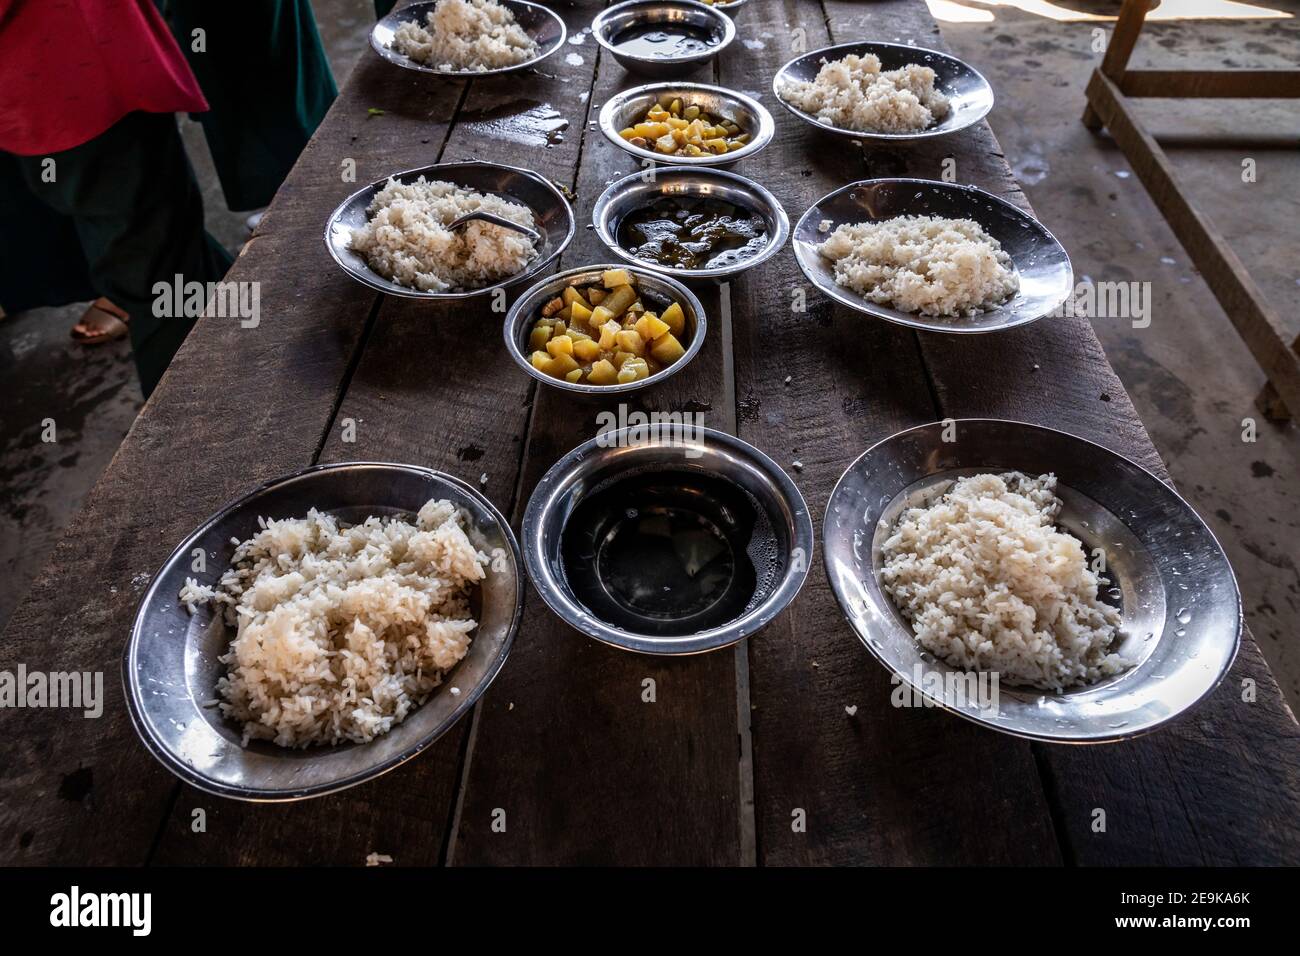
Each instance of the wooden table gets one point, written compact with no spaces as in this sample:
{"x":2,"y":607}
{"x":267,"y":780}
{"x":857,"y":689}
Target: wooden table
{"x":739,"y":746}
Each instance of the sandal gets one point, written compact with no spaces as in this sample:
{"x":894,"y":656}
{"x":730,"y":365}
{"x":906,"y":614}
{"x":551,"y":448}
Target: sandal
{"x":101,"y":322}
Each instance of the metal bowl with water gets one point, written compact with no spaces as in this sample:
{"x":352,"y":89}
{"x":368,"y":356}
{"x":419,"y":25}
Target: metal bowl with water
{"x":670,"y":15}
{"x":552,"y":215}
{"x":628,"y":107}
{"x":969,"y":95}
{"x":669,"y":450}
{"x":170,"y":668}
{"x":1041,"y":263}
{"x":640,"y":190}
{"x":657,"y":291}
{"x":544,"y":26}
{"x":1164,"y":571}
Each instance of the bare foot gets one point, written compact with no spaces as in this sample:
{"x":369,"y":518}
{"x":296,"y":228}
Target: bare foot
{"x":101,"y":322}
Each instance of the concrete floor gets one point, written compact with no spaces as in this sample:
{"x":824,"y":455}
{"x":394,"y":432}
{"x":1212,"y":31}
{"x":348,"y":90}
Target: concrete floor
{"x":1192,"y":379}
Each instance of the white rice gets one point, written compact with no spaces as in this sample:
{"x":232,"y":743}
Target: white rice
{"x":342,"y":632}
{"x":852,"y":93}
{"x":925,"y":264}
{"x":989,"y":584}
{"x":466,"y":35}
{"x":405,"y":238}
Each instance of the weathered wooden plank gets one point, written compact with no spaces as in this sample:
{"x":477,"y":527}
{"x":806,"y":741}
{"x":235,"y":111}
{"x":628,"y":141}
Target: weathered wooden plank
{"x":585,"y":770}
{"x":872,"y":783}
{"x":420,"y":394}
{"x":1178,"y":796}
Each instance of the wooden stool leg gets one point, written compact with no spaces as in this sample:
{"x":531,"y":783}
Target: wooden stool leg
{"x":1269,"y":402}
{"x":1122,"y":40}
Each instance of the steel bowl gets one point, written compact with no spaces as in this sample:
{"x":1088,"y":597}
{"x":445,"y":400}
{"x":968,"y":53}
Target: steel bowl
{"x":969,"y":94}
{"x":551,"y":211}
{"x":658,"y":289}
{"x":1166,"y":573}
{"x":1046,"y":277}
{"x":634,"y":13}
{"x":170,"y":668}
{"x":670,"y":447}
{"x":640,"y":189}
{"x":624,"y":109}
{"x":543,"y":25}
{"x":726,"y":6}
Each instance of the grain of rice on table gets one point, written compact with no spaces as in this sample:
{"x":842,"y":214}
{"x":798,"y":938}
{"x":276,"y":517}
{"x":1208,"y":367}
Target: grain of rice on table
{"x":466,"y":35}
{"x":853,"y":93}
{"x":988,"y":583}
{"x":341,"y":632}
{"x":941,"y":267}
{"x":406,"y":238}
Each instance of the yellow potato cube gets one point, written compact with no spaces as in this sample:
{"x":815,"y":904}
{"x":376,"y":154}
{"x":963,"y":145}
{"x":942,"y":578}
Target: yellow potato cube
{"x":675,"y":318}
{"x":558,"y":329}
{"x":562,"y":365}
{"x":602,"y":373}
{"x":540,"y":360}
{"x":538,"y":337}
{"x":600,"y":315}
{"x":621,"y":358}
{"x":560,"y":345}
{"x":596,"y":295}
{"x":586,"y":350}
{"x":579,"y":312}
{"x":608,"y":331}
{"x":627,"y":133}
{"x":573,"y":376}
{"x":615,"y":277}
{"x":619,"y":298}
{"x":571,"y":295}
{"x":650,"y":326}
{"x":667,"y":349}
{"x":628,"y":341}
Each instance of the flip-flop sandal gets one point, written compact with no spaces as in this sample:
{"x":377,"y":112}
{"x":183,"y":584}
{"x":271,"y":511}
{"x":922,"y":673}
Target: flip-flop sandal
{"x":102,"y":322}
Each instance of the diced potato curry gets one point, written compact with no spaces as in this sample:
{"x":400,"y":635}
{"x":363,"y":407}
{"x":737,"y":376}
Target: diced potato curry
{"x":602,"y":334}
{"x":673,"y":128}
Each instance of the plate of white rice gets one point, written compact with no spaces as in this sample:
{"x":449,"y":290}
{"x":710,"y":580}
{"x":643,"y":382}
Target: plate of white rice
{"x":392,"y":235}
{"x":323,"y":629}
{"x":932,"y":255}
{"x":883,"y":92}
{"x":468,"y":38}
{"x":1030,"y":580}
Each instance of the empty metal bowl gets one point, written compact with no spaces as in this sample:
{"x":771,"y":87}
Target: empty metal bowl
{"x":969,"y":95}
{"x":658,"y":292}
{"x":1164,"y":571}
{"x":1042,"y":265}
{"x":543,"y":25}
{"x":170,"y":668}
{"x":641,"y":189}
{"x":551,"y":212}
{"x":672,"y":449}
{"x":628,"y":107}
{"x":611,"y":25}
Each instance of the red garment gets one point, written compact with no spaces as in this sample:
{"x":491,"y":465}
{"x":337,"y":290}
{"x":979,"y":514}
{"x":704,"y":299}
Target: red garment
{"x":70,"y":69}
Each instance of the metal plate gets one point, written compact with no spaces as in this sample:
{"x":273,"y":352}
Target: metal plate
{"x":657,"y":291}
{"x":1042,"y":265}
{"x":551,"y":212}
{"x":1178,"y":597}
{"x":640,"y":189}
{"x":612,"y":21}
{"x":170,"y":668}
{"x":543,"y":25}
{"x":623,"y":109}
{"x":969,"y":94}
{"x":600,"y":460}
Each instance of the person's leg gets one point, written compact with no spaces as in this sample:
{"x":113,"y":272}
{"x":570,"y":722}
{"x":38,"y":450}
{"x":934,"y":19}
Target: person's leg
{"x":268,"y":84}
{"x":139,"y":215}
{"x":41,"y":262}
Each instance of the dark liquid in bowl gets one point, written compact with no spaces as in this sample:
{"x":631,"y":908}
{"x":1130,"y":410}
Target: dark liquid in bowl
{"x":664,"y":41}
{"x":692,"y":232}
{"x":668,"y":553}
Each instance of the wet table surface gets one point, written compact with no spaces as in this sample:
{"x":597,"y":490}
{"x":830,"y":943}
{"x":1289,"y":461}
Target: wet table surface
{"x":785,"y":751}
